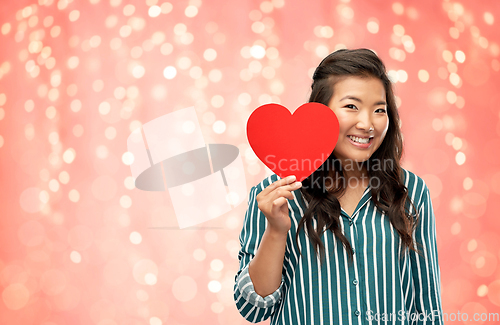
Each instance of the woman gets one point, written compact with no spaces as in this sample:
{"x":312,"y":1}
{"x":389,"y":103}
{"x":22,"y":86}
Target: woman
{"x":359,"y":248}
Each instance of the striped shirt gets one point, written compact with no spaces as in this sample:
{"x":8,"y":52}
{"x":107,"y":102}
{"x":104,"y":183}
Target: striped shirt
{"x":384,"y":284}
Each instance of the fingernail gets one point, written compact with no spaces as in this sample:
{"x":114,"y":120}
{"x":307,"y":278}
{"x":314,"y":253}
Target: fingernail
{"x":291,"y":178}
{"x":298,"y":184}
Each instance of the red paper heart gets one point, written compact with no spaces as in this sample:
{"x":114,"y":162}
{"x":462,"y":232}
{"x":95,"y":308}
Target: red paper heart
{"x":295,"y":144}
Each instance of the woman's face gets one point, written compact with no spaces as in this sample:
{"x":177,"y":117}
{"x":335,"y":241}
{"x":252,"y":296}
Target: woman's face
{"x":361,"y":108}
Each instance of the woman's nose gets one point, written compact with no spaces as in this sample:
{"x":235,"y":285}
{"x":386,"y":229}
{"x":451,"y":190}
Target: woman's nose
{"x":364,"y":122}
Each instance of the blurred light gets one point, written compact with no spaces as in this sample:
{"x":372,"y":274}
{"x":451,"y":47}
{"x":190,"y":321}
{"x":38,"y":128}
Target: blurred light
{"x":447,"y":56}
{"x":423,"y":75}
{"x":15,"y":296}
{"x":111,"y":21}
{"x":257,"y":51}
{"x":110,"y":133}
{"x":155,"y":321}
{"x":74,"y":15}
{"x":184,"y":63}
{"x":74,"y":196}
{"x":154,"y":11}
{"x":135,"y":238}
{"x":456,"y":143}
{"x":53,"y":138}
{"x":95,"y":41}
{"x":64,"y":177}
{"x":128,"y":158}
{"x":372,"y":26}
{"x":170,"y":72}
{"x":217,"y":307}
{"x":191,"y":11}
{"x":488,"y":18}
{"x":195,"y":72}
{"x":451,"y":97}
{"x":321,"y":51}
{"x":54,"y":185}
{"x":125,"y":31}
{"x":75,"y":257}
{"x":104,"y":108}
{"x":437,"y":124}
{"x":78,"y":130}
{"x":216,"y":265}
{"x":219,"y":127}
{"x":266,"y":6}
{"x":69,"y":155}
{"x":6,"y":27}
{"x":455,"y":79}
{"x":55,"y":31}
{"x":73,"y":62}
{"x":138,"y":71}
{"x":398,"y":8}
{"x":460,"y":158}
{"x":217,"y":101}
{"x":166,"y":7}
{"x":199,"y":254}
{"x":128,"y":10}
{"x":129,"y":183}
{"x":184,"y":288}
{"x":398,"y":30}
{"x":98,"y":85}
{"x":455,"y":228}
{"x":125,"y":201}
{"x":102,"y":152}
{"x":166,"y":48}
{"x":244,"y":99}
{"x":402,"y":76}
{"x":208,"y":118}
{"x":214,"y":286}
{"x":460,"y":56}
{"x":215,"y":75}
{"x":482,"y":290}
{"x":209,"y":54}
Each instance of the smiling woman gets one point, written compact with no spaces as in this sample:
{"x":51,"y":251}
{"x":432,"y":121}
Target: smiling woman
{"x":360,"y":106}
{"x":363,"y":240}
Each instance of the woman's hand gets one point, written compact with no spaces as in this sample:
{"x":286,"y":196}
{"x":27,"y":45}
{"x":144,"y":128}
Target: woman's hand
{"x":272,"y":201}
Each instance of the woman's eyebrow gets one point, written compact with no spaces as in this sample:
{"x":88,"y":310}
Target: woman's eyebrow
{"x":382,"y":102}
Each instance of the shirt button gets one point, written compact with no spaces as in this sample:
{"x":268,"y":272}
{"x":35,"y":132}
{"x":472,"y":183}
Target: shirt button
{"x":357,"y":313}
{"x":355,"y":282}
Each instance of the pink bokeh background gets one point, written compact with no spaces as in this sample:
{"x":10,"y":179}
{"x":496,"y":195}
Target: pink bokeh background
{"x":80,"y":245}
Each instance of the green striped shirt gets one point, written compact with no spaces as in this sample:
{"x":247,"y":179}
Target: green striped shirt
{"x":383,"y":285}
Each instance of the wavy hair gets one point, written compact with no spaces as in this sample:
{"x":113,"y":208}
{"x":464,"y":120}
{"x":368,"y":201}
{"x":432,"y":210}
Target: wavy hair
{"x":391,"y":196}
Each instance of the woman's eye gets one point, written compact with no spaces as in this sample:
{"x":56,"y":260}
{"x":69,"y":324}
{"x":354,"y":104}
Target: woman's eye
{"x":351,"y":106}
{"x":381,"y":110}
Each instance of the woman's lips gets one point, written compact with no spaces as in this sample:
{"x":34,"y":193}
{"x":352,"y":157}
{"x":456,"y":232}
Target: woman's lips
{"x":354,"y":141}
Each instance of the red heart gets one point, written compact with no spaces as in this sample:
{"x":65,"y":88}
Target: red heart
{"x":295,"y":144}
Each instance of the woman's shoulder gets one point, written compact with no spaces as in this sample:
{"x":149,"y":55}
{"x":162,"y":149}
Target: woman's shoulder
{"x":416,"y":186}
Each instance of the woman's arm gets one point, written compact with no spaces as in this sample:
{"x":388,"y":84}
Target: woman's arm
{"x":255,"y":242}
{"x":266,"y":267}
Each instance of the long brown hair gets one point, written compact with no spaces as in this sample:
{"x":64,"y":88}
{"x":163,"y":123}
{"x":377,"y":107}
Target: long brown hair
{"x":391,"y":196}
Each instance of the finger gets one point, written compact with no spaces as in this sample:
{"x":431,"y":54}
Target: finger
{"x":281,"y":192}
{"x":278,"y":183}
{"x":277,"y":204}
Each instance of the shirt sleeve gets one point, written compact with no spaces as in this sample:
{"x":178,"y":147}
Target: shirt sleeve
{"x":425,"y":266}
{"x":250,"y":305}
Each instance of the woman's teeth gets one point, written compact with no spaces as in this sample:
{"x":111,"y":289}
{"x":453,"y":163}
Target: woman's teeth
{"x":359,"y":140}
